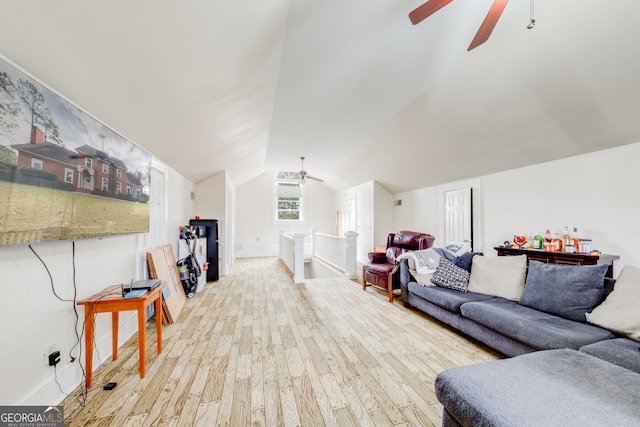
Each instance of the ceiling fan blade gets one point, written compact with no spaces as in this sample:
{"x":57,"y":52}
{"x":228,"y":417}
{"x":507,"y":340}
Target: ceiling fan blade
{"x":426,"y":10}
{"x":314,"y":178}
{"x":489,"y":23}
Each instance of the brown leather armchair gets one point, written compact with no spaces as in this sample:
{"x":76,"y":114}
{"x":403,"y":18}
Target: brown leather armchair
{"x":381,"y":269}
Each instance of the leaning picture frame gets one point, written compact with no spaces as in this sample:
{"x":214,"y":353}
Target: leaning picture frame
{"x":64,"y":175}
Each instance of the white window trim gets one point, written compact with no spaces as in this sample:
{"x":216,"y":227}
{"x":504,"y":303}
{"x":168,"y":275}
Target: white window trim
{"x":301,"y":209}
{"x":68,"y":171}
{"x":37,"y":164}
{"x":105,"y":168}
{"x":118,"y":173}
{"x":88,"y":162}
{"x":105,"y":184}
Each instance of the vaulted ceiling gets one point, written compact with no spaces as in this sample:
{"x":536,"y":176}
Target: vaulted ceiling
{"x":247,"y":86}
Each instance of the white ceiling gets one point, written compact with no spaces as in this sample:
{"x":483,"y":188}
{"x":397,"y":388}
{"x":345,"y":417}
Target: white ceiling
{"x":248,"y":86}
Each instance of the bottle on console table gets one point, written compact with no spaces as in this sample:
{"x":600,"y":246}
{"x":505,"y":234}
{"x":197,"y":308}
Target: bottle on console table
{"x":576,"y":239}
{"x":537,"y":242}
{"x":548,"y":241}
{"x":566,"y":238}
{"x":557,"y":243}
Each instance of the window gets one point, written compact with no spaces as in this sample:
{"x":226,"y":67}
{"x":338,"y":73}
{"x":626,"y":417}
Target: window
{"x":118,"y":187}
{"x":68,"y":175}
{"x":105,"y":168}
{"x":88,"y":162}
{"x":105,"y":184}
{"x":118,"y":173}
{"x":289,"y":197}
{"x":36,"y":164}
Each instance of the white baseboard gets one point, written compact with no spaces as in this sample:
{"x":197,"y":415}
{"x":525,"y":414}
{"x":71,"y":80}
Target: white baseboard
{"x":250,"y":251}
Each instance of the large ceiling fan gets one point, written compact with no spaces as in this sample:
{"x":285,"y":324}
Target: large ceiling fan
{"x":487,"y":26}
{"x":304,"y":175}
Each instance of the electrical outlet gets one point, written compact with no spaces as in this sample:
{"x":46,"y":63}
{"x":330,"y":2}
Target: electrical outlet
{"x":54,"y":358}
{"x":47,"y":351}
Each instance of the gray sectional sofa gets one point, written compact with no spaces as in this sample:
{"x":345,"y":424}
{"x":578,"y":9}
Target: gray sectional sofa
{"x":563,"y":371}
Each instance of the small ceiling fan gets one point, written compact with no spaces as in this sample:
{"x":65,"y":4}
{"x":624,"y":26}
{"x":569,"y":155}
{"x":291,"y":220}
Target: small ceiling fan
{"x":304,"y":175}
{"x":432,"y":6}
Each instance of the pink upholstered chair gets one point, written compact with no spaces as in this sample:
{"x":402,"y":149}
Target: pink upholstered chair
{"x":381,"y":269}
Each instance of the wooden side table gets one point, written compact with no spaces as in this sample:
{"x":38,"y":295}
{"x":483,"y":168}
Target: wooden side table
{"x":110,"y":300}
{"x":561,"y":257}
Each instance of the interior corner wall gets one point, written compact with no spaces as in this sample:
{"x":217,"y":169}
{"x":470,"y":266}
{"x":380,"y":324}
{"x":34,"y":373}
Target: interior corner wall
{"x":382,"y":214}
{"x":595,"y":192}
{"x":212,"y":202}
{"x":256,"y":232}
{"x":34,"y":319}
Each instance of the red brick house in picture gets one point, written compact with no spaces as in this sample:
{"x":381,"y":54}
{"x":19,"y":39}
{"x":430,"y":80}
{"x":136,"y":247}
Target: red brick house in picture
{"x":86,"y":170}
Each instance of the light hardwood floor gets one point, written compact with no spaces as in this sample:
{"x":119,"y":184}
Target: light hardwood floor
{"x":253,"y":349}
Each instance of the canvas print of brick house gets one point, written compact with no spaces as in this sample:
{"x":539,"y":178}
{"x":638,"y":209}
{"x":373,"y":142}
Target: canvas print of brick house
{"x":85,"y":170}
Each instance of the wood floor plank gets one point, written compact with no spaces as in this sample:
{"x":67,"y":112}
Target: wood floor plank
{"x":207,"y":413}
{"x":307,"y":404}
{"x":273,"y":412}
{"x":255,"y":349}
{"x":241,"y":404}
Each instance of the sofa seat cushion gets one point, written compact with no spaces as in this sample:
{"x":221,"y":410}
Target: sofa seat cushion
{"x":534,"y":328}
{"x":545,"y":388}
{"x":620,"y":351}
{"x":380,"y":269}
{"x":448,"y":299}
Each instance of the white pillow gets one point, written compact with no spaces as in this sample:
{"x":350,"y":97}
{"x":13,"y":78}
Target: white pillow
{"x":620,"y":310}
{"x":500,"y":276}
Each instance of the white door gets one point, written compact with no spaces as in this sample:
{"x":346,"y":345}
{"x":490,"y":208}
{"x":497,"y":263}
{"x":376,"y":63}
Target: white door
{"x":458,"y":216}
{"x":349,"y":215}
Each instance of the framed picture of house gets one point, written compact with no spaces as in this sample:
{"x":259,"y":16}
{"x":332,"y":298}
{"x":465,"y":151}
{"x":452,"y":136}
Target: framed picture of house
{"x":63,"y":173}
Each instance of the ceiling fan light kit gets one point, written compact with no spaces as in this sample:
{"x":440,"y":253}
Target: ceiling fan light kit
{"x":486,"y":28}
{"x":303,"y":174}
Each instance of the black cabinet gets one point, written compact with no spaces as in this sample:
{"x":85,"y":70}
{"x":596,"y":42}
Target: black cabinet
{"x":209,"y":228}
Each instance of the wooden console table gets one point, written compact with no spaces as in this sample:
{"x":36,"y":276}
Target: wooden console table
{"x":111,"y":301}
{"x":561,"y":257}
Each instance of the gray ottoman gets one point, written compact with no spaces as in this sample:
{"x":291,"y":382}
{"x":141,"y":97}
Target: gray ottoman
{"x":545,"y":388}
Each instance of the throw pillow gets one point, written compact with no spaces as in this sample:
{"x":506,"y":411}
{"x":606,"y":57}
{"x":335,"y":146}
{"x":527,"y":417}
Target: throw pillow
{"x":465,"y":260}
{"x":619,"y":312}
{"x":500,"y":276}
{"x":449,"y":275}
{"x":567,"y":291}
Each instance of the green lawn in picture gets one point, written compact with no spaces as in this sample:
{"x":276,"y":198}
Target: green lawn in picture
{"x":34,"y":214}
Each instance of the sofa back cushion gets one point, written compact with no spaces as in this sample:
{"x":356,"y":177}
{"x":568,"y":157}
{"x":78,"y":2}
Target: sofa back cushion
{"x":500,"y":276}
{"x":567,"y":291}
{"x":620,"y":310}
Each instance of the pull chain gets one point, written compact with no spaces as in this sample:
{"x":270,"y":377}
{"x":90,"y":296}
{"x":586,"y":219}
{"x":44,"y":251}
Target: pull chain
{"x":532,"y":19}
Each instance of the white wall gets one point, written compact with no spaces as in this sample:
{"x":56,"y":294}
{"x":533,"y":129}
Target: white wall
{"x":596,"y":192}
{"x":257,"y":234}
{"x":33,"y":319}
{"x":382,"y":214}
{"x":214,"y":200}
{"x":374,"y":215}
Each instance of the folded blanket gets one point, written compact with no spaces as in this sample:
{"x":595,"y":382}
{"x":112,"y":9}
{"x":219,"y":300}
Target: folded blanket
{"x":422,"y":262}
